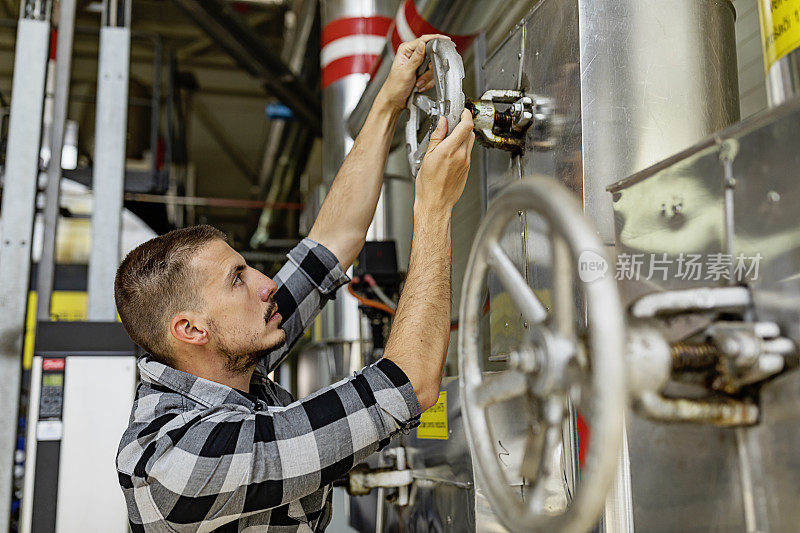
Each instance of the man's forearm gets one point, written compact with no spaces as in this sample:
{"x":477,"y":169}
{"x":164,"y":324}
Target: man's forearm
{"x":421,"y":330}
{"x":349,"y":206}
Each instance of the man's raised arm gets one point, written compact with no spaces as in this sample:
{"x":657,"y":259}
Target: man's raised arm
{"x":345,"y":216}
{"x":421,"y":328}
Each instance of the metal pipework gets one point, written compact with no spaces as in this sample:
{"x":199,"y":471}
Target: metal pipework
{"x":722,"y":413}
{"x":247,"y":48}
{"x":682,"y":301}
{"x":347,"y":56}
{"x":274,"y":160}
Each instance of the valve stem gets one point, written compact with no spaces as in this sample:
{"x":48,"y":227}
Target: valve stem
{"x":693,"y":356}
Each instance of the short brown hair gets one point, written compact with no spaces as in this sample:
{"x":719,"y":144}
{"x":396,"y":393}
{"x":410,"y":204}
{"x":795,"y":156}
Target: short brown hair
{"x":154,"y":282}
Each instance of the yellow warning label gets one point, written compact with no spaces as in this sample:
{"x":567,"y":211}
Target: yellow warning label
{"x":64,"y":306}
{"x":780,"y":28}
{"x":433,"y":422}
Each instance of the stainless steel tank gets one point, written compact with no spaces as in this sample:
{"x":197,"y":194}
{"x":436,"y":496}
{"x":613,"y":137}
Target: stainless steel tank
{"x":632,"y":83}
{"x":730,"y":479}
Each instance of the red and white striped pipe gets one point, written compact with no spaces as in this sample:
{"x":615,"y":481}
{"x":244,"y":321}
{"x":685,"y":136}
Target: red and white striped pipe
{"x":354,"y":45}
{"x":408,"y":24}
{"x":351,"y":45}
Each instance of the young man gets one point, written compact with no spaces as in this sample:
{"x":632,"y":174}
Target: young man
{"x":213,"y":444}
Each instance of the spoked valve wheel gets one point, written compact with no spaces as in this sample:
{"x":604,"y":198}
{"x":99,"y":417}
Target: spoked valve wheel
{"x":549,"y":367}
{"x":448,"y":100}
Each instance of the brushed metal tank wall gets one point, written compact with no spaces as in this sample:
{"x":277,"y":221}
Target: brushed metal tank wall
{"x":632,"y":82}
{"x":766,"y":222}
{"x":656,"y":77}
{"x":772,"y":446}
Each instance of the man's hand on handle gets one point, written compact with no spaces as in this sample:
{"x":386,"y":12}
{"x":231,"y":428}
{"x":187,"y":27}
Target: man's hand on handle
{"x":403,"y":75}
{"x":444,"y":169}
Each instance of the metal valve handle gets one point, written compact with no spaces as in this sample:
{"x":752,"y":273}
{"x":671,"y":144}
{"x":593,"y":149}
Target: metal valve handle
{"x":448,"y":73}
{"x":550,"y":365}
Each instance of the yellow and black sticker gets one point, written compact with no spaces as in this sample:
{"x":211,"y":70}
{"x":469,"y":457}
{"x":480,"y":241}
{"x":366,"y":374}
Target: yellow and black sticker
{"x":780,"y":28}
{"x":433,"y":422}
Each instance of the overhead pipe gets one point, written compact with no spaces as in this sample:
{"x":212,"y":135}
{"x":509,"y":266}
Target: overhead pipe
{"x":270,"y":182}
{"x":247,"y":48}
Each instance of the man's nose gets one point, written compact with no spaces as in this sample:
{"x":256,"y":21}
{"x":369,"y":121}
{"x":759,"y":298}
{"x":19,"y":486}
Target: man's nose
{"x":267,"y":289}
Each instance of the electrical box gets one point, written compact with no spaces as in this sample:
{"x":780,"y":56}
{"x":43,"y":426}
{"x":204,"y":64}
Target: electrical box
{"x":83,"y":379}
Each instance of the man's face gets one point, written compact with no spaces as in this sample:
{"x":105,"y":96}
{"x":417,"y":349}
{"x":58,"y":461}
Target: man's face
{"x":242,"y":317}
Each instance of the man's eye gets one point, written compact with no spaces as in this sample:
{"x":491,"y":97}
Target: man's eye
{"x":238,"y":279}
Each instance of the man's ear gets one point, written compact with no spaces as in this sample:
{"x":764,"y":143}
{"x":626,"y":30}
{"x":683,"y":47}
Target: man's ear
{"x":186,"y":327}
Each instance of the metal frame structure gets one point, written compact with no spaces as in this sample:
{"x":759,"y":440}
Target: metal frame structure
{"x":18,"y":204}
{"x":109,"y":164}
{"x":63,"y":64}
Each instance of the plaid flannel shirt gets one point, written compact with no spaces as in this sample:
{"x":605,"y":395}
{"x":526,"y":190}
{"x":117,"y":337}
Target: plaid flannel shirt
{"x":201,"y":456}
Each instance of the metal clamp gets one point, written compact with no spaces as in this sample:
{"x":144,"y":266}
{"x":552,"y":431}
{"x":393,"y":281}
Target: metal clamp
{"x":506,"y":129}
{"x":729,"y":355}
{"x":651,"y":360}
{"x":362,"y":479}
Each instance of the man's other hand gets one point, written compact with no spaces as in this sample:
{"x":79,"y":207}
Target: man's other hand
{"x":444,"y":169}
{"x":403,"y":75}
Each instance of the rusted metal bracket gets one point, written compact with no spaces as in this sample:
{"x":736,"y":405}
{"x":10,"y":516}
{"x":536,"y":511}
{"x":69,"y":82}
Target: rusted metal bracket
{"x":507,"y":129}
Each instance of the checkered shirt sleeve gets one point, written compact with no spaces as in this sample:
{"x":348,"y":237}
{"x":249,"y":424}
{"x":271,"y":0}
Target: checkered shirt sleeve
{"x":195,"y":470}
{"x":305,"y":284}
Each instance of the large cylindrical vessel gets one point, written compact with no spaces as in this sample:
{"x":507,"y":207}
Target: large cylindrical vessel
{"x":780,"y":38}
{"x":353,"y":35}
